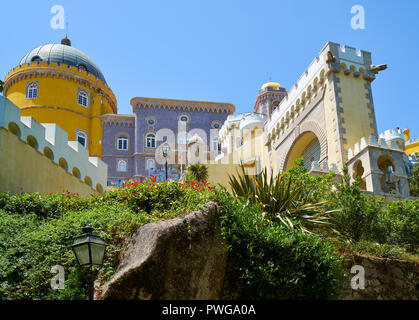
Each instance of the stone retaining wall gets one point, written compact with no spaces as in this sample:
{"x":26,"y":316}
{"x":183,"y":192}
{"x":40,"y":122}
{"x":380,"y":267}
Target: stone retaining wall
{"x":385,"y":279}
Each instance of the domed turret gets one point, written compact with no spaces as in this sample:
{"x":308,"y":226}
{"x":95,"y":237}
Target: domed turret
{"x":57,"y":83}
{"x":269,"y":97}
{"x":271,"y":85}
{"x":63,"y":53}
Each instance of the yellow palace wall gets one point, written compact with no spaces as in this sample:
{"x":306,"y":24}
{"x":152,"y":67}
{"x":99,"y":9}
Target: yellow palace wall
{"x":24,"y":167}
{"x":57,"y":99}
{"x":412,"y":148}
{"x":253,"y":154}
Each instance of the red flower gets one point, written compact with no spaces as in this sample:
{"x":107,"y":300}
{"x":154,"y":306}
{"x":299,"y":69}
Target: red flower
{"x":21,"y":188}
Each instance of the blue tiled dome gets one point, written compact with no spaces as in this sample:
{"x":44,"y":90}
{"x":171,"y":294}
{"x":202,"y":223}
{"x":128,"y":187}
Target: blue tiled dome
{"x":63,"y":53}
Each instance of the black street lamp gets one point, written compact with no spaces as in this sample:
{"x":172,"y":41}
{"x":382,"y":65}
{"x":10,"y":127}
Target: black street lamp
{"x":89,"y":250}
{"x":165,"y":150}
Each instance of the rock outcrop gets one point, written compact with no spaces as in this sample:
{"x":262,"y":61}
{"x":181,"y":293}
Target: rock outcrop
{"x":182,"y":258}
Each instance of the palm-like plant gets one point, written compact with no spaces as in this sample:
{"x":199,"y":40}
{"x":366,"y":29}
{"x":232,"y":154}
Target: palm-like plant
{"x":1,"y":86}
{"x":198,"y":172}
{"x":281,"y":199}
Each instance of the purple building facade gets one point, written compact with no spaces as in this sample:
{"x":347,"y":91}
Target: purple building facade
{"x":133,"y":144}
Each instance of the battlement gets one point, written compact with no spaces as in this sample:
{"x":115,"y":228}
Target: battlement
{"x":55,"y":65}
{"x":324,"y":168}
{"x":412,"y":141}
{"x":118,"y":120}
{"x":52,"y":142}
{"x":332,"y":58}
{"x":393,"y":134}
{"x":177,"y":104}
{"x":372,"y":141}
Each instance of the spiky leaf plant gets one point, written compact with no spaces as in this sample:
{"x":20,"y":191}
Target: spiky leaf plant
{"x":282,"y":200}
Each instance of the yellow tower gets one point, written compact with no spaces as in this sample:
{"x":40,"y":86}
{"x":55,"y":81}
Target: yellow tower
{"x":56,"y":83}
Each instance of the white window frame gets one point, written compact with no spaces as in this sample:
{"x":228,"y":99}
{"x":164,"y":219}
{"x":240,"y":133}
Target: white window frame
{"x":148,"y":166}
{"x":123,"y":139}
{"x":216,"y":122}
{"x":152,"y":142}
{"x":32,"y":89}
{"x":83,"y":94}
{"x":125,"y":166}
{"x":84,"y":135}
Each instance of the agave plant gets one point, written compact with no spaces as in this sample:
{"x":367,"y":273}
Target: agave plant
{"x":281,"y":199}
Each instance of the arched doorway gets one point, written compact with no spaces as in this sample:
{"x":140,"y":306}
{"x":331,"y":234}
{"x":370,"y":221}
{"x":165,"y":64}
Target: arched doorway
{"x":306,"y":146}
{"x":388,"y":180}
{"x":358,"y":172}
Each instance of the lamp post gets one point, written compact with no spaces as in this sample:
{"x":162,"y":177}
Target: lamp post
{"x":89,"y":250}
{"x":165,"y":150}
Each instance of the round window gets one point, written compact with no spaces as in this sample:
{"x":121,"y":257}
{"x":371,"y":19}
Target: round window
{"x":150,"y":122}
{"x":184,"y":118}
{"x":216,"y":125}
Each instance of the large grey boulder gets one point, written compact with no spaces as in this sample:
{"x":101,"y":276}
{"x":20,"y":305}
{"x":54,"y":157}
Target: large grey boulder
{"x":182,"y":258}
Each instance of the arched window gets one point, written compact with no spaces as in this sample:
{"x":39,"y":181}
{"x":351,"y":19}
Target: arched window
{"x":36,"y":59}
{"x":122,"y":165}
{"x":122,"y":143}
{"x":81,"y":137}
{"x":275,"y":105}
{"x":216,"y":124}
{"x":151,"y":140}
{"x":151,"y":121}
{"x":32,"y":90}
{"x":83,"y":98}
{"x":184,"y":118}
{"x":82,"y":67}
{"x":151,"y":164}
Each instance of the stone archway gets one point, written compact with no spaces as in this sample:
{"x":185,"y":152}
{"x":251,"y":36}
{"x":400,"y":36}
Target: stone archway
{"x":300,"y":141}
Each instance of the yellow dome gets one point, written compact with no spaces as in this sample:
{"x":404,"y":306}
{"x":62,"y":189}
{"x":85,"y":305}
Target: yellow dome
{"x":271,"y":84}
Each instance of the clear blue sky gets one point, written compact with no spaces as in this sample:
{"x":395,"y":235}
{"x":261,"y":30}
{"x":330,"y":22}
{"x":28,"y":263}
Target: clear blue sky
{"x":224,"y":50}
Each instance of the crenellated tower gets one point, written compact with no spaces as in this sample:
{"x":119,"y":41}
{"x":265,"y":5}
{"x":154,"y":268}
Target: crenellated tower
{"x":269,"y":97}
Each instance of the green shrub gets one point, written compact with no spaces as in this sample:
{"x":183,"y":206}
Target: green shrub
{"x":43,"y":205}
{"x":370,"y":248}
{"x":414,"y":182}
{"x":36,"y":231}
{"x":267,"y":261}
{"x":155,"y":198}
{"x":29,"y":247}
{"x":357,"y":218}
{"x":399,"y":224}
{"x":283,"y":199}
{"x":317,"y":188}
